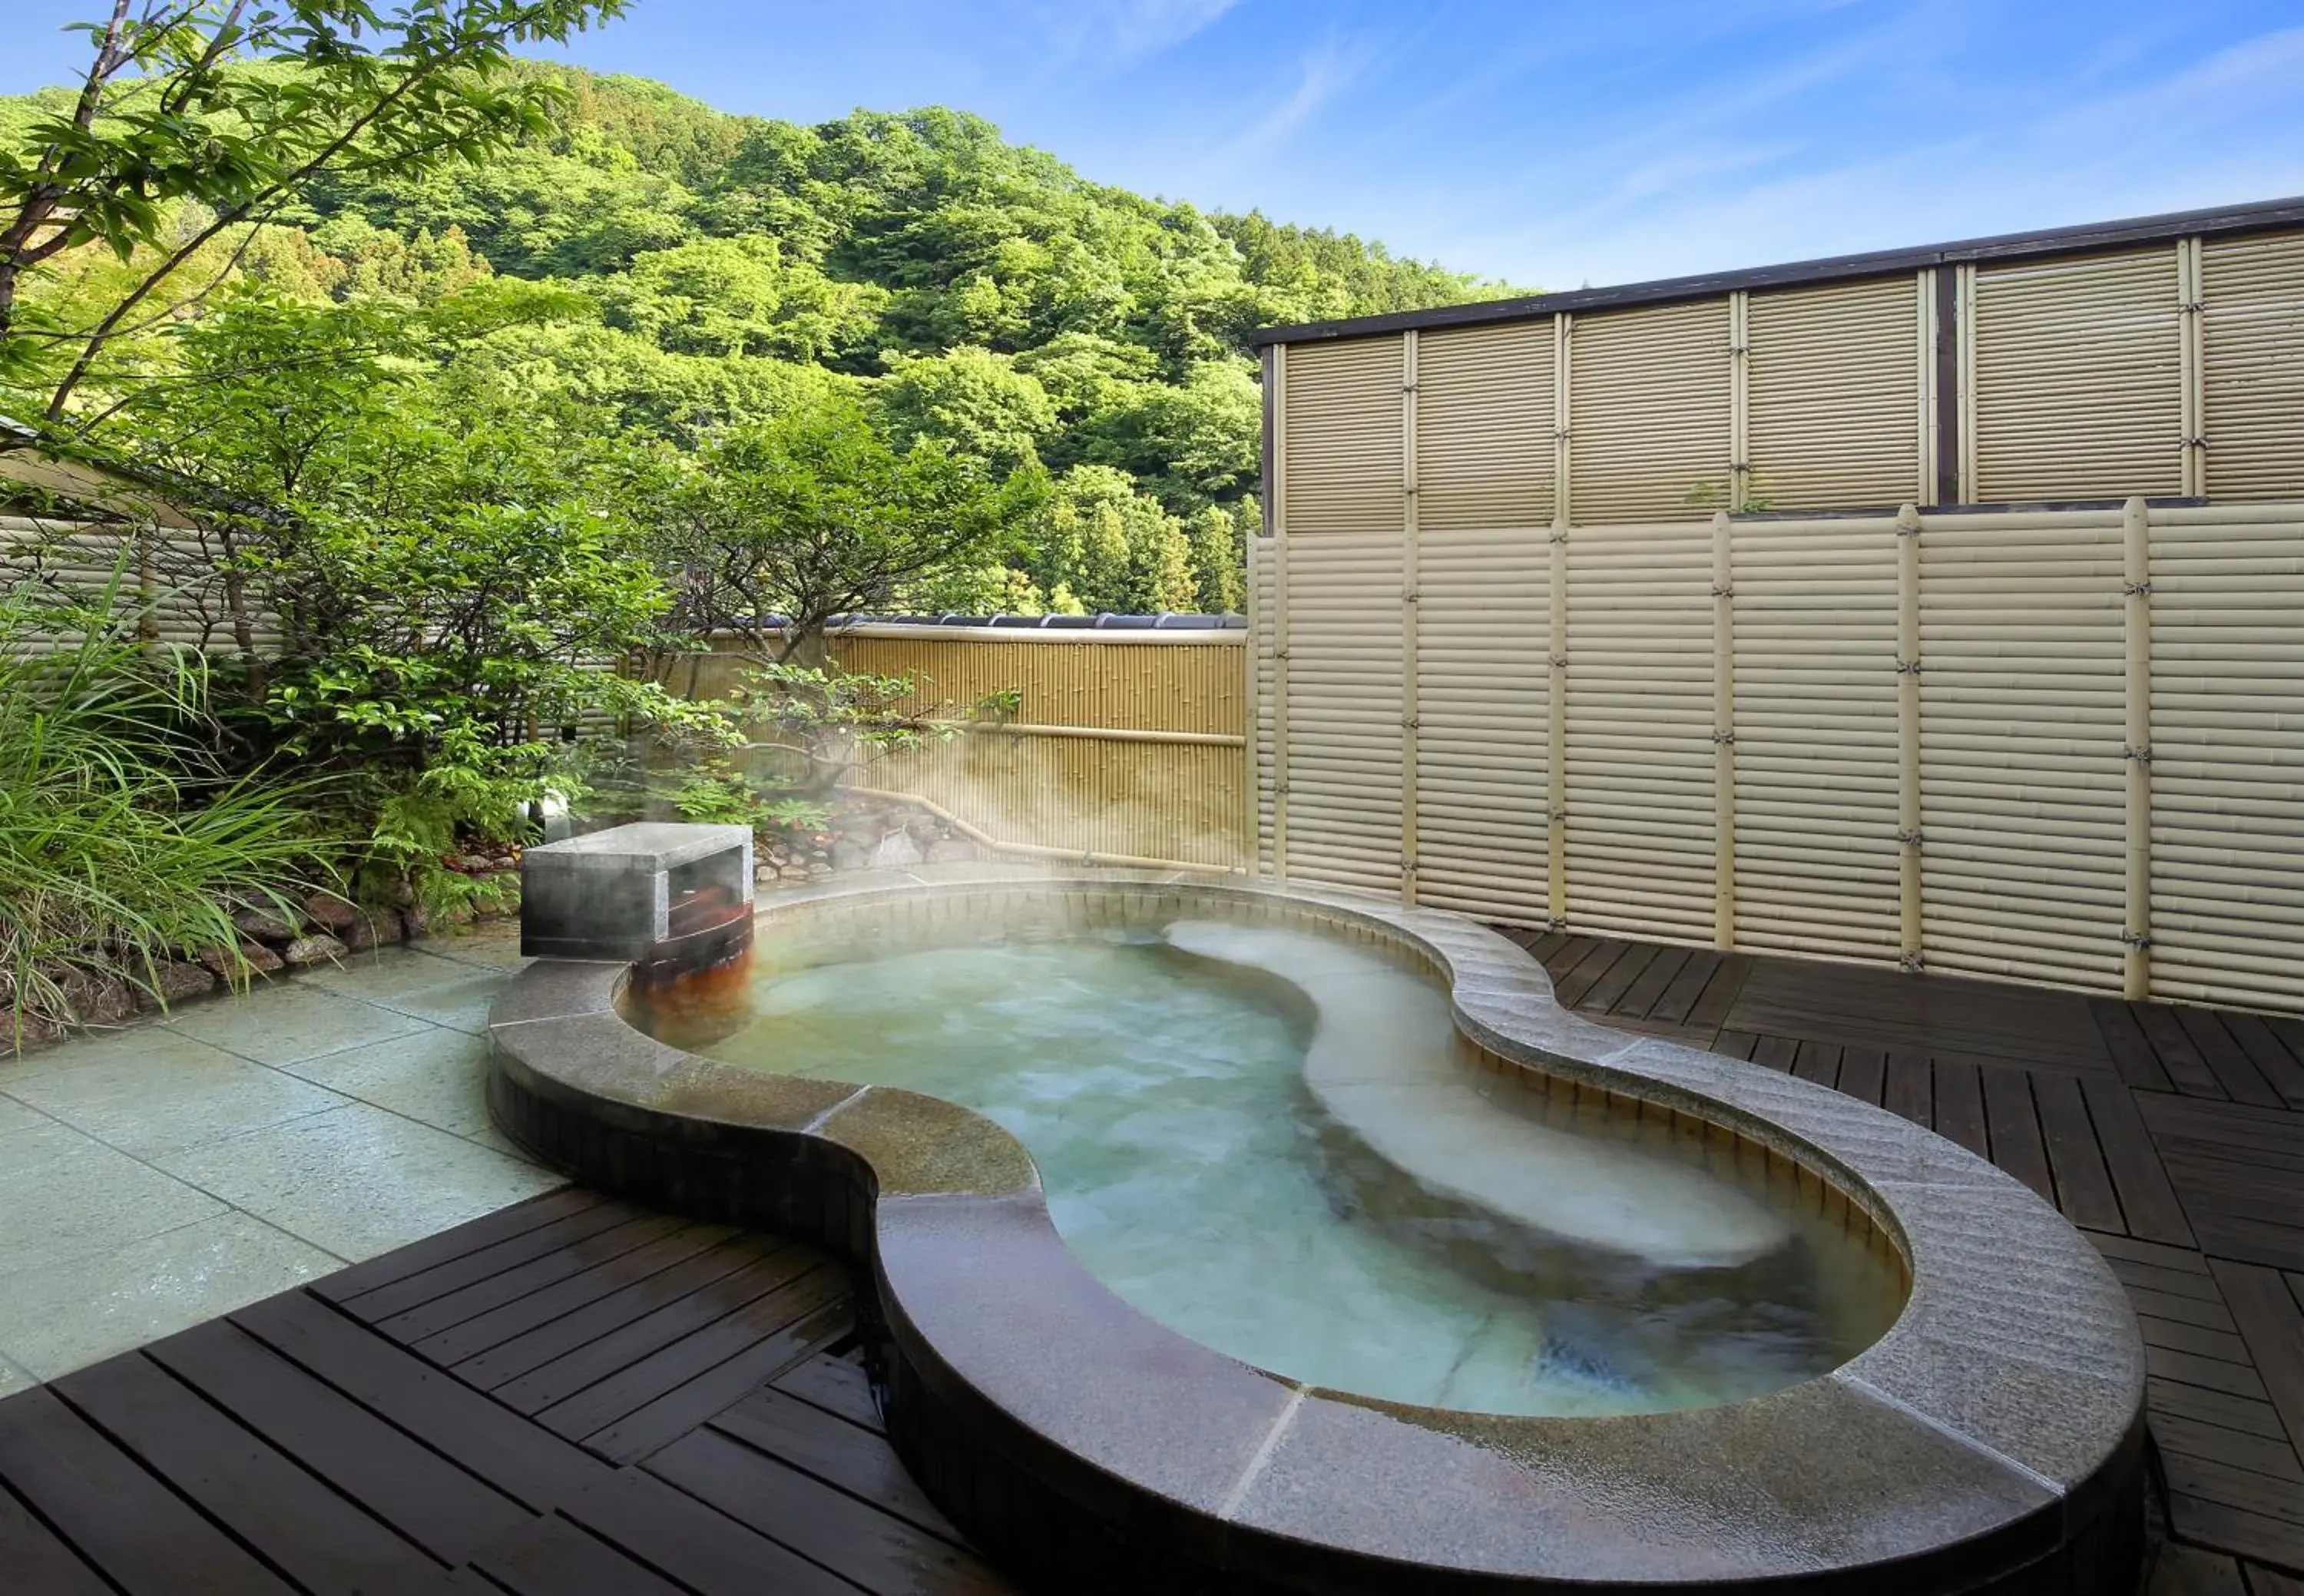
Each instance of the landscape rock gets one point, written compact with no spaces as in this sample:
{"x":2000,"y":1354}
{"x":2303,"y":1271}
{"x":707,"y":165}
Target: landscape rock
{"x":415,"y":921}
{"x":952,"y":849}
{"x":97,"y":997}
{"x":896,"y":850}
{"x":264,"y":925}
{"x":326,"y":910}
{"x":306,"y":951}
{"x":259,"y":959}
{"x":179,"y":981}
{"x":372,"y":930}
{"x":848,"y":856}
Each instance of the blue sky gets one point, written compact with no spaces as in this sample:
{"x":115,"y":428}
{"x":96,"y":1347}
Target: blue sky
{"x":1550,"y":144}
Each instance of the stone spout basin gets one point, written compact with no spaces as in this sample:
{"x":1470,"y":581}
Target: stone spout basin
{"x":1959,"y":1410}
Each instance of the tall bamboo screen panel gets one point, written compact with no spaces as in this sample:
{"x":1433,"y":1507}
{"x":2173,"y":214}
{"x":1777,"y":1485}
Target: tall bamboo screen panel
{"x":1648,"y":621}
{"x":1127,"y":750}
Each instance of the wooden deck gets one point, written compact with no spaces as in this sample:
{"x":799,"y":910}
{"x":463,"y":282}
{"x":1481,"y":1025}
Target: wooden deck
{"x":578,"y":1396}
{"x":2172,"y":1136}
{"x":572,"y":1397}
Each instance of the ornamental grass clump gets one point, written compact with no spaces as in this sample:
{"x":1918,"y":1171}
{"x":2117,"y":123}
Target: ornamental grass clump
{"x":125,"y":841}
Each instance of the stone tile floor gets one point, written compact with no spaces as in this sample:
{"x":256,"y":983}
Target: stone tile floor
{"x":158,"y":1176}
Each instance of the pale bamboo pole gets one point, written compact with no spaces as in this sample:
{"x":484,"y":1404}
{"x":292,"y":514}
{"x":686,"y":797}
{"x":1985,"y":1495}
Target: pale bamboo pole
{"x":2191,"y":298}
{"x":1723,"y":734}
{"x":1409,"y":706}
{"x":1909,"y":839}
{"x":1555,"y":721}
{"x":1740,"y":400}
{"x":1279,"y":551}
{"x":2136,"y":582}
{"x":1931,"y":441}
{"x":1965,"y":309}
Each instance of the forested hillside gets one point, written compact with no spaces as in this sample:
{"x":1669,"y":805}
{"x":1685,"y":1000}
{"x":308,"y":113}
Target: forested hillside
{"x":721,"y":270}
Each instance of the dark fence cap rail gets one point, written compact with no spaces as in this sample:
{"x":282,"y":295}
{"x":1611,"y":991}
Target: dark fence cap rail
{"x":2258,"y":216}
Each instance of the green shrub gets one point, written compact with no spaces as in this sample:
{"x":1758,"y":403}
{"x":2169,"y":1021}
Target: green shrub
{"x":123,"y":839}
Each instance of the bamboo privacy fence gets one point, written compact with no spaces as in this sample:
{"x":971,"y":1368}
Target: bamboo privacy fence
{"x":2064,"y":746}
{"x":1126,"y":746}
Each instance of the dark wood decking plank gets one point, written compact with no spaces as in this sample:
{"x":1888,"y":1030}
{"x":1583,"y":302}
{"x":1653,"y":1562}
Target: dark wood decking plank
{"x":522,"y":1459}
{"x":2138,"y":1250}
{"x":665,"y":1419}
{"x":429,"y":1499}
{"x":2232,"y":1529}
{"x":2130,"y":1049}
{"x":1863,"y":1073}
{"x":1567,"y":953}
{"x":2236,"y":1448}
{"x":2242,"y":1488}
{"x":2250,"y":1415}
{"x":1736,"y":1044}
{"x":882,"y":1553}
{"x":1870,"y":1007}
{"x":596,"y":1357}
{"x":1960,"y":1106}
{"x":521,"y":1334}
{"x":2185,"y":1283}
{"x":322,"y":1542}
{"x":2084,"y":1190}
{"x":836,"y":1385}
{"x":2280,"y":1069}
{"x":661,"y":1398}
{"x":36,"y":1562}
{"x":2180,"y":1335}
{"x":99,"y":1501}
{"x":1718,"y":999}
{"x":834,"y":1451}
{"x":2273,"y":1325}
{"x":2271,"y":1582}
{"x":2187,"y":1070}
{"x":2210,"y":1374}
{"x":1817,"y":1061}
{"x":1634,"y":998}
{"x":1542,"y":947}
{"x":1673,"y":1003}
{"x":2147,"y":1199}
{"x":1570,"y":985}
{"x":2014,"y":1126}
{"x":2162,"y":1304}
{"x":2226,"y":1059}
{"x":704,"y":1550}
{"x":1776,"y":1053}
{"x":2182,"y":1570}
{"x":550,"y":1557}
{"x":435,"y":1250}
{"x":1910,"y":1087}
{"x":519,"y":1281}
{"x":484,"y":1263}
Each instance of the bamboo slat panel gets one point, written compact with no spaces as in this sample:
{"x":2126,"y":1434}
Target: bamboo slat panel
{"x":2079,"y":390}
{"x":1484,"y":428}
{"x":1639,"y":771}
{"x":171,"y":571}
{"x":1647,"y":412}
{"x":1482,"y":648}
{"x":1815,"y":751}
{"x":1262,"y":587}
{"x":2228,"y":758}
{"x":1343,"y":438}
{"x":1834,"y":395}
{"x":2022,"y":784}
{"x":1343,"y":688}
{"x":2253,"y":330}
{"x":1150,"y":801}
{"x":1172,"y":687}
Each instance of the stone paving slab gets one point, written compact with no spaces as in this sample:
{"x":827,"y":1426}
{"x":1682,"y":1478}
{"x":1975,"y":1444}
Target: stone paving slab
{"x":157,"y":1175}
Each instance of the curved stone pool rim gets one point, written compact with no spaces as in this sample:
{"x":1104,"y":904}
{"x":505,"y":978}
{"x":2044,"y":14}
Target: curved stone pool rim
{"x":1992,"y":1439}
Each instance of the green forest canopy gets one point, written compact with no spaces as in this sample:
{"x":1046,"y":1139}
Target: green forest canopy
{"x":722,"y":269}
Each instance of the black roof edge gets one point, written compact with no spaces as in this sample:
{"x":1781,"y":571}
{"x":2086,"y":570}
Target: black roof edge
{"x":2256,"y":216}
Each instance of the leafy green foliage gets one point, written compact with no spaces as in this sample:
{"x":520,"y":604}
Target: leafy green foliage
{"x":122,"y":829}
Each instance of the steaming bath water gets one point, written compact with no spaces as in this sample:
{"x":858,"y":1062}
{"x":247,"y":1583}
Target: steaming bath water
{"x":1276,"y":1146}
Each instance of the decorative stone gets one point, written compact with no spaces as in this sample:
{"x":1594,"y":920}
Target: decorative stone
{"x":178,"y":980}
{"x":264,"y":925}
{"x":896,"y":850}
{"x":415,"y":921}
{"x":377,"y":929}
{"x":98,"y":996}
{"x":952,"y":849}
{"x":850,"y":857}
{"x":227,"y":962}
{"x":330,"y":912}
{"x":306,"y":951}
